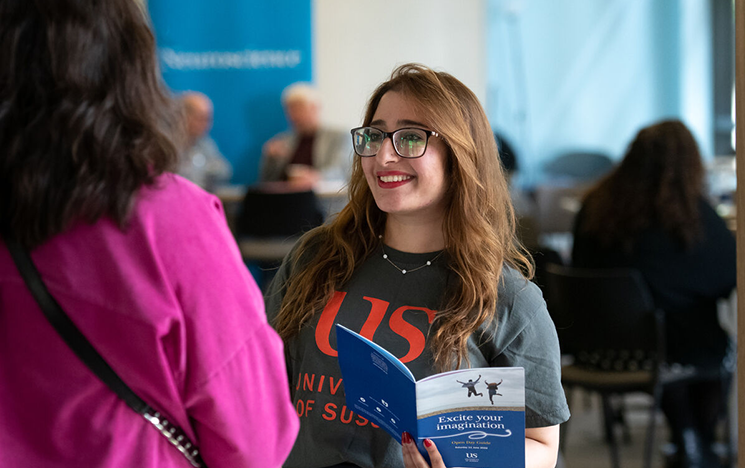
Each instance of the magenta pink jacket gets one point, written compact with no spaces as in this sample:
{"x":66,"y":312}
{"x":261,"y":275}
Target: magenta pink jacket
{"x":169,"y":304}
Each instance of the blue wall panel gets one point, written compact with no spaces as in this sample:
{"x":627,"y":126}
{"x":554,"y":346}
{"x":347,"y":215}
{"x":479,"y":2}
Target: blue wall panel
{"x":241,"y":54}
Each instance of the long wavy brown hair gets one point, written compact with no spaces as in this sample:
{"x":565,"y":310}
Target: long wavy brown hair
{"x":84,"y":119}
{"x":479,"y":224}
{"x":659,"y":183}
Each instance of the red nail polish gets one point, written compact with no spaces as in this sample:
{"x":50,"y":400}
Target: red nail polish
{"x":406,"y":438}
{"x":427,"y":443}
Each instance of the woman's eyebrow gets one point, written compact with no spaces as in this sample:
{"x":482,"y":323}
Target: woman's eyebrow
{"x":411,"y":123}
{"x":401,"y":123}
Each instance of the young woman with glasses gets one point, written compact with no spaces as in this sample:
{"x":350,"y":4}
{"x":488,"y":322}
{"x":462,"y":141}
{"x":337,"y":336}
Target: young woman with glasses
{"x":423,"y":260}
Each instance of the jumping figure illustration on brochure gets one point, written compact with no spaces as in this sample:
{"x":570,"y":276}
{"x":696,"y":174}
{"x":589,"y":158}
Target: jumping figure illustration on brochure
{"x":471,"y":386}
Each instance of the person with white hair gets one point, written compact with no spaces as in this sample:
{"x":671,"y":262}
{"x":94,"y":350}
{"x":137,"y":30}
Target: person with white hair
{"x":309,"y":151}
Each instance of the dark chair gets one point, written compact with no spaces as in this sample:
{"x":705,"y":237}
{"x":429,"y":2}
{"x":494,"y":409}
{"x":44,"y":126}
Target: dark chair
{"x":271,"y":222}
{"x":579,"y":166}
{"x":566,"y":179}
{"x":611,"y":337}
{"x":270,"y":214}
{"x":557,"y":204}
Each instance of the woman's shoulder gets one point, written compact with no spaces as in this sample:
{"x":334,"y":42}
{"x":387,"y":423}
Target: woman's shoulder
{"x":521,"y":312}
{"x":173,"y":212}
{"x":303,"y":252}
{"x":519,"y":301}
{"x":709,"y":215}
{"x":173,"y":203}
{"x":174,"y":192}
{"x":300,"y":256}
{"x":308,"y":245}
{"x":514,"y":287}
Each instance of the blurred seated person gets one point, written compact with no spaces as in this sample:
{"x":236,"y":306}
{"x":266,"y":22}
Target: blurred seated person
{"x":527,"y":227}
{"x":202,"y":162}
{"x":308,"y":152}
{"x":651,"y":214}
{"x":506,"y":156}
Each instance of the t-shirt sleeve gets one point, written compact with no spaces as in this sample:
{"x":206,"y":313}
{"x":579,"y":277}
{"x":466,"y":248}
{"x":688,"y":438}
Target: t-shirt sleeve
{"x":536,"y":349}
{"x":526,"y":337}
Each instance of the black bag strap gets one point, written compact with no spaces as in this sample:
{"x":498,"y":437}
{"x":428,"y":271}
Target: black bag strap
{"x":91,"y":358}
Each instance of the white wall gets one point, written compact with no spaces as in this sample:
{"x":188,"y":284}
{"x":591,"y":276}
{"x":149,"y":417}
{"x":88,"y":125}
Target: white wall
{"x":696,"y":81}
{"x":587,"y":74}
{"x":552,"y":75}
{"x":357,"y":43}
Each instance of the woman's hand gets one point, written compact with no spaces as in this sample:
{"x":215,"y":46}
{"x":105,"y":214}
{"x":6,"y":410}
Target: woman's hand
{"x":414,"y":459}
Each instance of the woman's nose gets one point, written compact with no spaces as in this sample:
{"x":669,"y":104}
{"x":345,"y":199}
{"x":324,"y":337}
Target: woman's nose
{"x":387,"y":153}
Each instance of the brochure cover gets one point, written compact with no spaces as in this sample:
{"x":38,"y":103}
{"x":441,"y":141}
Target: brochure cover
{"x":475,"y":416}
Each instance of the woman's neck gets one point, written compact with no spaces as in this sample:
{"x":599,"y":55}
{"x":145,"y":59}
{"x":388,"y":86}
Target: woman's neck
{"x":414,"y":236}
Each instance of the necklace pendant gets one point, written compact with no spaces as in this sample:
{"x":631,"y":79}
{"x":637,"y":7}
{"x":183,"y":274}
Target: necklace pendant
{"x":403,"y":272}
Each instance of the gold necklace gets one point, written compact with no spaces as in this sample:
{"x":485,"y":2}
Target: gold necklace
{"x":403,"y":270}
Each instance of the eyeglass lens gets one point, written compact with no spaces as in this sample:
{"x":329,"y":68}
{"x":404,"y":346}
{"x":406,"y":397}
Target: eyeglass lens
{"x":408,"y":142}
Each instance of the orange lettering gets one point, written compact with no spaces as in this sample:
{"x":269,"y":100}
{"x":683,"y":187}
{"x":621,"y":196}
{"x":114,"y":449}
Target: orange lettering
{"x":330,"y":414}
{"x":308,"y":382}
{"x":412,"y":334}
{"x":333,"y":388}
{"x":351,"y":414}
{"x":377,"y":313}
{"x":326,"y":322}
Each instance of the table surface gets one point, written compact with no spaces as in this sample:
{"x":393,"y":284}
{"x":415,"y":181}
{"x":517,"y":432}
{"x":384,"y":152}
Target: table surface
{"x":324,"y":189}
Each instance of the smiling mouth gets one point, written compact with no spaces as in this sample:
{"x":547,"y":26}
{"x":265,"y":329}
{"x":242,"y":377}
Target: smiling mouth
{"x":394,"y":178}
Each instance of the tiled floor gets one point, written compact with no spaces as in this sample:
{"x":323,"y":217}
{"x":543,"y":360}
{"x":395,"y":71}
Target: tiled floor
{"x":585,"y":442}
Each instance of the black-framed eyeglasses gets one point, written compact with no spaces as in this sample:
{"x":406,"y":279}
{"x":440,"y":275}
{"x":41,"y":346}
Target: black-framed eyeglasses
{"x":408,"y":142}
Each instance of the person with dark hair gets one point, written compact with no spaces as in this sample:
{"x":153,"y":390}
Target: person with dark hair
{"x":651,"y":214}
{"x":423,"y":260}
{"x":471,"y":386}
{"x":140,"y":260}
{"x":507,"y":155}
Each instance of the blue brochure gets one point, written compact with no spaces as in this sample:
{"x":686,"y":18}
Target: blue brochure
{"x":475,"y":416}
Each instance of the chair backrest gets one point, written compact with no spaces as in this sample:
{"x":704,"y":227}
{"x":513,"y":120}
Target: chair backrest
{"x":278,"y":214}
{"x":579,"y":165}
{"x":605,"y":318}
{"x":557,"y":205}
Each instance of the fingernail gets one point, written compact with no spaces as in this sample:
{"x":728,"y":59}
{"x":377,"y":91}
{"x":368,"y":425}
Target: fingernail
{"x":406,"y":438}
{"x":427,"y":443}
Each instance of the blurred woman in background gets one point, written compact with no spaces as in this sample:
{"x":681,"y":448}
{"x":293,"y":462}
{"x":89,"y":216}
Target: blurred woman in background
{"x":651,"y":214}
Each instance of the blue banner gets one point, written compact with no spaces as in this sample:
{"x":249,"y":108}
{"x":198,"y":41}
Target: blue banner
{"x":241,"y":54}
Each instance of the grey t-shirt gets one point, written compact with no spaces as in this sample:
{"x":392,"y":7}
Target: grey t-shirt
{"x":395,"y":311}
